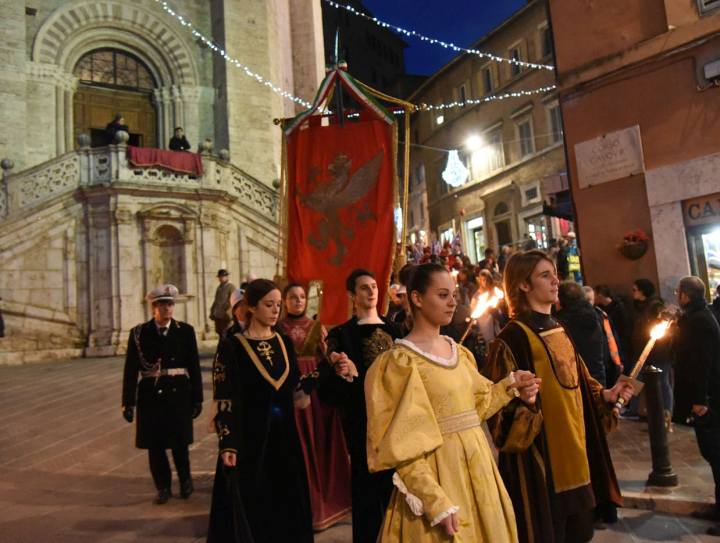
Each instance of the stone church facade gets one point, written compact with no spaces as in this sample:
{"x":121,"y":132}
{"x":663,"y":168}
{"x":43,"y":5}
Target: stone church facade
{"x":83,"y":234}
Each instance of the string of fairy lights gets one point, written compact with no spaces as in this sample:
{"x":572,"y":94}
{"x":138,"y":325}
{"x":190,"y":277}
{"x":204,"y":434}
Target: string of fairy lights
{"x":185,"y":23}
{"x":435,"y":41}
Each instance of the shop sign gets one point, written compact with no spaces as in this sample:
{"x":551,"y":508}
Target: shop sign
{"x":702,"y":210}
{"x":615,"y":155}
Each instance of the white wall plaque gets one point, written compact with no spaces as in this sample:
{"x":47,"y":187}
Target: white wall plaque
{"x":615,"y":155}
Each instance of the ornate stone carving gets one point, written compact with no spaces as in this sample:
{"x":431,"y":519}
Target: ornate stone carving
{"x":123,"y":215}
{"x":253,"y":194}
{"x":158,"y":175}
{"x":101,"y":172}
{"x":49,"y":180}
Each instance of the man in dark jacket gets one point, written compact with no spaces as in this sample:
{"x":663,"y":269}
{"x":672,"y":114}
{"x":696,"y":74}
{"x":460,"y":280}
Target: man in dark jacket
{"x":169,"y":396}
{"x":584,"y":328}
{"x":354,"y":345}
{"x":715,"y":307}
{"x":114,"y":126}
{"x":620,"y":319}
{"x":696,"y":344}
{"x":179,"y":142}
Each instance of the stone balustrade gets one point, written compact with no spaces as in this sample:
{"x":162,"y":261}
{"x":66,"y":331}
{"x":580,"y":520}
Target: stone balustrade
{"x":106,"y":166}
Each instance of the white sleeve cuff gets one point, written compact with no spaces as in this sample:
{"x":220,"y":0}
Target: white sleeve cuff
{"x":415,"y":503}
{"x":445,"y":514}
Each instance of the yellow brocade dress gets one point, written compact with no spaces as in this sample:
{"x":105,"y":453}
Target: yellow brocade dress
{"x":424,"y":421}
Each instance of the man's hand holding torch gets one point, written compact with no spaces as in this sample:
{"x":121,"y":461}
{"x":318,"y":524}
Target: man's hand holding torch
{"x":619,"y":393}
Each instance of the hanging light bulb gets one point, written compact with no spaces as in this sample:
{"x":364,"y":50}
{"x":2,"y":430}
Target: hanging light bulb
{"x":455,"y":173}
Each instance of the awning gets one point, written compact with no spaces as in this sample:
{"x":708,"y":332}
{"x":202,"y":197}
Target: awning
{"x":560,"y":206}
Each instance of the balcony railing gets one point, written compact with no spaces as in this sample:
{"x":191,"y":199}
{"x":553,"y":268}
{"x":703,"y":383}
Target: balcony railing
{"x":108,"y":166}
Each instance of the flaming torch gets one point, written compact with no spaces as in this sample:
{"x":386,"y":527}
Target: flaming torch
{"x":484,"y":302}
{"x":658,"y":331}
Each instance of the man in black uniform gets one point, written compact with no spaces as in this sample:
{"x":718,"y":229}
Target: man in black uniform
{"x":169,"y":396}
{"x":352,"y":347}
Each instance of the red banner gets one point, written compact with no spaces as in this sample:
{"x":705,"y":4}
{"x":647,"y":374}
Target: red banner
{"x":340,"y":207}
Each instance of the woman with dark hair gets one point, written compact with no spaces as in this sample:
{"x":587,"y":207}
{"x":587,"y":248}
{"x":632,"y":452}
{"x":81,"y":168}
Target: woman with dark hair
{"x":260,"y":491}
{"x":426,"y":403}
{"x":554,"y":458}
{"x":319,"y":426}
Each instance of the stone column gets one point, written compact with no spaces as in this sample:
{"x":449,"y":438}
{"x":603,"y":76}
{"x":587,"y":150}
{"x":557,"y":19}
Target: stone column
{"x":178,"y":114}
{"x":127,"y":268}
{"x":13,"y":89}
{"x":59,"y":121}
{"x":190,"y":106}
{"x":307,"y":44}
{"x":100,"y":274}
{"x":162,"y":96}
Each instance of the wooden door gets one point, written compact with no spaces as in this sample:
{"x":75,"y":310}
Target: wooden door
{"x":95,"y":107}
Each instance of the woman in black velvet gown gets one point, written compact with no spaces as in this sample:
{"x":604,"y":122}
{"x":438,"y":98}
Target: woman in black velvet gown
{"x":260,"y":493}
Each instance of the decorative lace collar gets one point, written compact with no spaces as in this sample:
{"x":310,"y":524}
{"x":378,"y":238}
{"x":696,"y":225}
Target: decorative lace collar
{"x":445,"y":362}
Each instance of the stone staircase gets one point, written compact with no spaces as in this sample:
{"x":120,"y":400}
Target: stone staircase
{"x":77,"y":235}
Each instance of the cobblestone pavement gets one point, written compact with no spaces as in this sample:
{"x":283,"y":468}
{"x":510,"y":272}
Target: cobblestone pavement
{"x":69,"y":471}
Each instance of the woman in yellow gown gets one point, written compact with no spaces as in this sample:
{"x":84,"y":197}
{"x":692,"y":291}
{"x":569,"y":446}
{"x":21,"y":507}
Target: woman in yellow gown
{"x":426,"y":402}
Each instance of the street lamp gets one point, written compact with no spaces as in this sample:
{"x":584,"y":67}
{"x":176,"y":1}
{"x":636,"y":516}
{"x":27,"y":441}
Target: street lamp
{"x":474,"y":142}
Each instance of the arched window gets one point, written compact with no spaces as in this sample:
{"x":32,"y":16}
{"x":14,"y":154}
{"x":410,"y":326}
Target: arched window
{"x":170,"y":257}
{"x":115,"y":69}
{"x":501,"y":209}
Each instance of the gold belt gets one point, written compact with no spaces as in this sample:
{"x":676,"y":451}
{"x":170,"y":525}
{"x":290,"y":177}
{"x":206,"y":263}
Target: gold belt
{"x":459,"y":422}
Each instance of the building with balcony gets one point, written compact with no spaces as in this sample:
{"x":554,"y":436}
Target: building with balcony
{"x":84,"y":234}
{"x":512,"y":148}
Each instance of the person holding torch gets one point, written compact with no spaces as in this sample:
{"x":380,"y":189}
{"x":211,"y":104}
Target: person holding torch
{"x":553,"y":456}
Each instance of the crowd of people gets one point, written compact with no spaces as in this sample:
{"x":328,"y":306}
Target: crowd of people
{"x":382,"y":415}
{"x":563,"y":251}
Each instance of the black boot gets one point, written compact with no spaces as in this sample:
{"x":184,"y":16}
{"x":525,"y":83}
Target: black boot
{"x":163,"y":496}
{"x":186,"y":488}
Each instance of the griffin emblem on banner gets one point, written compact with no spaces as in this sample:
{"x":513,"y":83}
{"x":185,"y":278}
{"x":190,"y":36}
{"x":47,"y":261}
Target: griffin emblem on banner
{"x":340,"y":191}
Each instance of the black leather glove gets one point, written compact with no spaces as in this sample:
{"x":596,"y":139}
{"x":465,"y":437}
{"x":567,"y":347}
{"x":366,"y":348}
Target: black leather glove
{"x":128,"y":413}
{"x":197,"y":410}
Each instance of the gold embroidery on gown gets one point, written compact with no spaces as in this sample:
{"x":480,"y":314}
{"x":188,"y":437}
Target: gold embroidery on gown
{"x":378,"y":342}
{"x":406,"y":396}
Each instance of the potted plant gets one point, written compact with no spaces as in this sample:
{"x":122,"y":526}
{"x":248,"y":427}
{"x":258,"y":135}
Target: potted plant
{"x":634,"y":244}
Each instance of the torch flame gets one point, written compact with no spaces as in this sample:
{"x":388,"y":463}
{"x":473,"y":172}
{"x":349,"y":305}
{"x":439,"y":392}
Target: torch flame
{"x":486,"y":301}
{"x":659,"y":329}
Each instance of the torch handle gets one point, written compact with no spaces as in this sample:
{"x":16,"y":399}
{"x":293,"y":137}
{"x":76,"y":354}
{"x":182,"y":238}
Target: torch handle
{"x":619,"y":403}
{"x":643,"y":358}
{"x":467,"y":331}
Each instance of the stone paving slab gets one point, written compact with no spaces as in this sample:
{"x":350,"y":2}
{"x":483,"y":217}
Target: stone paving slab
{"x":69,"y":472}
{"x":630,"y":449}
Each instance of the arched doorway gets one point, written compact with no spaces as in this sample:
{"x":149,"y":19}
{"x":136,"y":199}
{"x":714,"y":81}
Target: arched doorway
{"x":113,"y":81}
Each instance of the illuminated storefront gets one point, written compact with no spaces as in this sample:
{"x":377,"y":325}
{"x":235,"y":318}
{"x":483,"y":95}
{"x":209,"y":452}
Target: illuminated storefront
{"x":702,"y":222}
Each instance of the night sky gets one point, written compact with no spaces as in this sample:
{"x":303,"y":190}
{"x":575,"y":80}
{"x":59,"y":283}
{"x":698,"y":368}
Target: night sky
{"x":461,"y":22}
